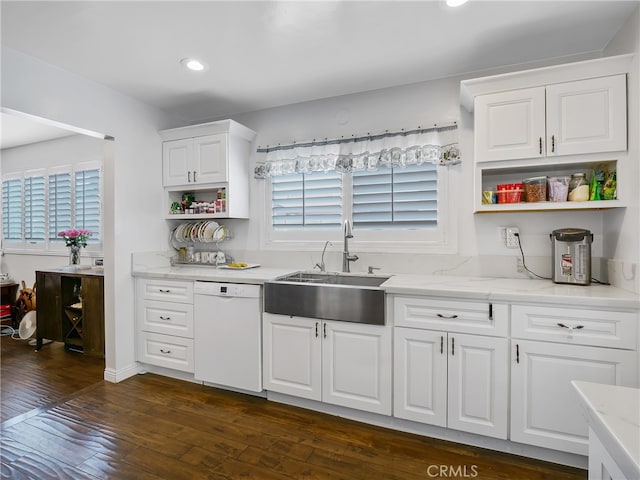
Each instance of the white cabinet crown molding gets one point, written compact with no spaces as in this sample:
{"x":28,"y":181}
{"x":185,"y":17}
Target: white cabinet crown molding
{"x":221,"y":126}
{"x":598,"y":67}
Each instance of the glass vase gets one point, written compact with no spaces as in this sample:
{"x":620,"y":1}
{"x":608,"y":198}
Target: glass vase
{"x":74,"y":254}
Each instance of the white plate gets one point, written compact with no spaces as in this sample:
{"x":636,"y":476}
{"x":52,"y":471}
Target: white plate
{"x":209,"y":230}
{"x":220,"y":233}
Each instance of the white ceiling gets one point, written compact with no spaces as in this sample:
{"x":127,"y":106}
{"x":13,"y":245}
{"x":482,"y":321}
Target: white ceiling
{"x":263,"y":54}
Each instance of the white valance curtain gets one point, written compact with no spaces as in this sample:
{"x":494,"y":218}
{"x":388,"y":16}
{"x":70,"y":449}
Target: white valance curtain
{"x":436,"y":145}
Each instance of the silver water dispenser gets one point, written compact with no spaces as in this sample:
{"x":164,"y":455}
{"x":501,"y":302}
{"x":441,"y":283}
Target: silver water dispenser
{"x":571,"y":255}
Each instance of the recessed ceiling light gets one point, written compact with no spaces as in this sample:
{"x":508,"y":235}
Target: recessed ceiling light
{"x":456,"y":3}
{"x":193,"y":64}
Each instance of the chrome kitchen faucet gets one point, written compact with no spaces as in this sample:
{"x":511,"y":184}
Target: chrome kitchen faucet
{"x":346,"y":257}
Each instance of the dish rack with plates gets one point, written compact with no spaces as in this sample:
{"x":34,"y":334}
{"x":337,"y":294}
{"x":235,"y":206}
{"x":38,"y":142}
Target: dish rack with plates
{"x":193,"y":240}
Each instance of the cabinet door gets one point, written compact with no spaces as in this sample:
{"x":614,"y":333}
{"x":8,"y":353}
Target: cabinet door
{"x":93,"y":313}
{"x":48,"y":306}
{"x":292,"y":356}
{"x":510,"y":125}
{"x":210,"y":158}
{"x":587,"y":116}
{"x":356,"y":366}
{"x":544,"y":407}
{"x":420,"y":376}
{"x":478,"y":384}
{"x":177,"y":162}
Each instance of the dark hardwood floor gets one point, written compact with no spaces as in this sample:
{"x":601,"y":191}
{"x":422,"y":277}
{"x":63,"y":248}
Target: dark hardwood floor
{"x":60,"y":420}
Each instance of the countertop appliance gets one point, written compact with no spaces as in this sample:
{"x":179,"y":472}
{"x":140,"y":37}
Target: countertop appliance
{"x":227,"y":335}
{"x":571,"y":256}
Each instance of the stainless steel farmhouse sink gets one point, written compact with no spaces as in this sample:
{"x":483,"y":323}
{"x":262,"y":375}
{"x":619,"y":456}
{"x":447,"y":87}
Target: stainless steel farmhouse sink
{"x":329,"y":296}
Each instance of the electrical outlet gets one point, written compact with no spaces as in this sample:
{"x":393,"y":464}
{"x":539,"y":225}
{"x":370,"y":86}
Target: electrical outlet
{"x":511,"y":239}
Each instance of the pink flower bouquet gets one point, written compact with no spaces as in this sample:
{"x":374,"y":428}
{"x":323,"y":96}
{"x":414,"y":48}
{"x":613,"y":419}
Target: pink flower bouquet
{"x":75,"y":237}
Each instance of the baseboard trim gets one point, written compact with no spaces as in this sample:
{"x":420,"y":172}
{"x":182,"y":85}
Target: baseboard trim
{"x":115,"y":376}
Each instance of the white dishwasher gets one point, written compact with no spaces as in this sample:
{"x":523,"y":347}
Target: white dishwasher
{"x":227,"y":335}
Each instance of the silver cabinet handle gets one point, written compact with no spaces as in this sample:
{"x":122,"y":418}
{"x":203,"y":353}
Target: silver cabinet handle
{"x":164,"y":291}
{"x":447,"y":316}
{"x":164,"y":318}
{"x":577,"y":327}
{"x":165,"y":351}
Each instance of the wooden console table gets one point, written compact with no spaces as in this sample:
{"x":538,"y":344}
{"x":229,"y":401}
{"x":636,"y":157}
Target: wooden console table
{"x":70,"y":306}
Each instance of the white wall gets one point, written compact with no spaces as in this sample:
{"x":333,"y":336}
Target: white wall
{"x":132,"y":169}
{"x":70,"y":150}
{"x":624,"y":225}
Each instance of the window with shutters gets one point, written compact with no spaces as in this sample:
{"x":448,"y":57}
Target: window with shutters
{"x":36,"y":205}
{"x":12,"y":209}
{"x":306,"y":201}
{"x":395,"y":198}
{"x":401,"y":208}
{"x":35,"y":214}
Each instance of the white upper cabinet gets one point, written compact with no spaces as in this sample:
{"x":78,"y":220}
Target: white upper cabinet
{"x":549,"y":122}
{"x":195,"y":161}
{"x":177,"y":162}
{"x":510,"y":125}
{"x":587,"y":116}
{"x":571,"y":118}
{"x":204,"y":159}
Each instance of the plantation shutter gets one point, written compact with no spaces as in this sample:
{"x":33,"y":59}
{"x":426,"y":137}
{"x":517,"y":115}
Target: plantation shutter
{"x":87,"y":202}
{"x":306,"y":201}
{"x":59,"y":204}
{"x":35,"y":214}
{"x":12,"y":209}
{"x":396,"y":198}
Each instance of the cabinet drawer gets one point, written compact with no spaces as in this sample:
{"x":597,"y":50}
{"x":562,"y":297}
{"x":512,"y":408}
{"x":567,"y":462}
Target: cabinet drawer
{"x":483,"y":318}
{"x":602,"y":328}
{"x":166,"y":290}
{"x":166,"y":351}
{"x":170,"y":318}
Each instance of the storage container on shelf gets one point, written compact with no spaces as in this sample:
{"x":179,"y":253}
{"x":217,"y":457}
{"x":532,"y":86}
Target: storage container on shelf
{"x":510,"y":192}
{"x":535,"y":189}
{"x":578,"y":188}
{"x":558,"y":188}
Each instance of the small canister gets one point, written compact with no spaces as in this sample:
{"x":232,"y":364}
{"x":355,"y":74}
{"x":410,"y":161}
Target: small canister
{"x":578,"y":188}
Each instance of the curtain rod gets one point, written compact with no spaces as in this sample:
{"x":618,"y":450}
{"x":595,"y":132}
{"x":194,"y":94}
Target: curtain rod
{"x":353,"y":138}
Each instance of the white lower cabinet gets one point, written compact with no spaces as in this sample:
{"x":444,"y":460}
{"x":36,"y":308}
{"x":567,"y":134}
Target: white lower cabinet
{"x":544,"y":407}
{"x":451,"y":380}
{"x":451,"y":361}
{"x":164,"y":318}
{"x":550,"y":347}
{"x":341,"y":363}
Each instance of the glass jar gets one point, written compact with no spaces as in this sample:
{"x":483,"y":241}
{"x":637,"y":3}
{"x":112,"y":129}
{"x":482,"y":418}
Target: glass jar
{"x":578,"y":188}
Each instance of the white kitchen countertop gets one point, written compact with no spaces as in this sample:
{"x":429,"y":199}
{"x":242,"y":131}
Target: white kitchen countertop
{"x":511,"y":290}
{"x":452,"y":286}
{"x":256,"y":276}
{"x":613,"y":413}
